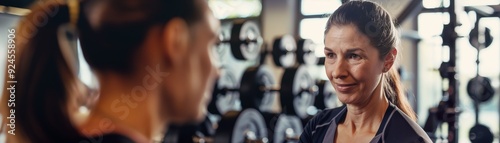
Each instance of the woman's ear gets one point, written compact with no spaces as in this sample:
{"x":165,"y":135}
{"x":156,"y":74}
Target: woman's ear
{"x":389,"y":59}
{"x":175,"y":36}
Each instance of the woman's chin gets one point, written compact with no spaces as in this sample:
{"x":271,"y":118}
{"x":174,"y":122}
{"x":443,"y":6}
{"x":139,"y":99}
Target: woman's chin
{"x":345,"y":98}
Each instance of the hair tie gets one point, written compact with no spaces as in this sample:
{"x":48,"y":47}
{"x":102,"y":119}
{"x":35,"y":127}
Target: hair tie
{"x":74,"y":9}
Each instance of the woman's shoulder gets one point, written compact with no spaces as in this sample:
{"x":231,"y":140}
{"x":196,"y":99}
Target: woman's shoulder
{"x":400,"y":127}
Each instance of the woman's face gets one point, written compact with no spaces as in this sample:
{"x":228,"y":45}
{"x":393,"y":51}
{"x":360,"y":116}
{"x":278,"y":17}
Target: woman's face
{"x":352,"y":64}
{"x":189,"y":85}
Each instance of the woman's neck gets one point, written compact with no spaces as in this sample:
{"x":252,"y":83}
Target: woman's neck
{"x":126,"y":109}
{"x":368,"y":116}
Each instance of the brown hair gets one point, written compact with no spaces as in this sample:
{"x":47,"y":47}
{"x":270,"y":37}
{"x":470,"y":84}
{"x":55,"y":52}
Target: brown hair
{"x":376,"y":23}
{"x":45,"y":81}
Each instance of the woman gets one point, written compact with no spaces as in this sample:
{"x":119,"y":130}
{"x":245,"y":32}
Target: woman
{"x":360,"y":49}
{"x":151,"y":57}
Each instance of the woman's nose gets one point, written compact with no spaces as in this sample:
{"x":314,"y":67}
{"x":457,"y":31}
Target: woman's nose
{"x":339,"y":70}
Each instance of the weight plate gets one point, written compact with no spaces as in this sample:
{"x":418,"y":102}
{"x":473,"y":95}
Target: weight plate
{"x":288,"y":129}
{"x":443,"y":69}
{"x":480,"y":134}
{"x":298,"y":91}
{"x":447,"y":34}
{"x":239,"y":127}
{"x":222,"y":100}
{"x":284,"y":49}
{"x":474,"y":37}
{"x":327,"y":97}
{"x":479,"y":88}
{"x":246,"y":40}
{"x":263,"y":55}
{"x":253,"y":93}
{"x":305,"y":52}
{"x":283,"y":128}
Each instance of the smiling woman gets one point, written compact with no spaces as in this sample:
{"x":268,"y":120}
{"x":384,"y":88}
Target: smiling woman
{"x":360,"y":50}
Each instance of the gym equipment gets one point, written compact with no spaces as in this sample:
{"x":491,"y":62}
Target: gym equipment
{"x":444,"y":69}
{"x":305,"y":52}
{"x":480,"y":134}
{"x":283,"y":128}
{"x":321,"y":61}
{"x":474,"y":37}
{"x":479,"y":88}
{"x":245,"y":40}
{"x":327,"y":97}
{"x":298,"y":90}
{"x":447,"y":110}
{"x":234,"y":127}
{"x":256,"y":90}
{"x":224,"y":101}
{"x":283,"y":52}
{"x":238,"y":127}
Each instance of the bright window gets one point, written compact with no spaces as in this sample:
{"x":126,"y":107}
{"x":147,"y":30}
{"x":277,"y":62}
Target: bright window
{"x":226,"y":9}
{"x":315,"y":7}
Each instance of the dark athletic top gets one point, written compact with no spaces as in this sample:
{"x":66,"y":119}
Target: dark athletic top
{"x":396,"y":127}
{"x":107,"y":138}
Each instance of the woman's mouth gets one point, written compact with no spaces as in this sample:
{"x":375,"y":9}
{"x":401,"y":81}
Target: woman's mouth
{"x":345,"y":87}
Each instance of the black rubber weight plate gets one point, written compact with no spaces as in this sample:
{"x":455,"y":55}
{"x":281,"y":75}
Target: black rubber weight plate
{"x":288,"y":128}
{"x":480,"y":134}
{"x":327,"y":97}
{"x":479,"y":88}
{"x":246,"y":40}
{"x":253,"y":82}
{"x":221,"y":103}
{"x":236,"y":127}
{"x":305,"y":52}
{"x":295,"y":100}
{"x":284,"y":49}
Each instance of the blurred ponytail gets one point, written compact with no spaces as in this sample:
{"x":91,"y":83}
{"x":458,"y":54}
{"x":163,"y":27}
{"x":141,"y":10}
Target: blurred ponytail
{"x":44,"y":79}
{"x":46,"y":82}
{"x":394,"y":91}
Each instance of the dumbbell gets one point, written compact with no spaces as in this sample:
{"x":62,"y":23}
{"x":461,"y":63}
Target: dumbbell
{"x":256,"y":90}
{"x":479,"y":89}
{"x":223,"y":101}
{"x":244,"y":39}
{"x":247,"y":126}
{"x":480,"y":134}
{"x":283,"y":128}
{"x":305,"y":52}
{"x":234,"y":127}
{"x":284,"y":51}
{"x":327,"y":97}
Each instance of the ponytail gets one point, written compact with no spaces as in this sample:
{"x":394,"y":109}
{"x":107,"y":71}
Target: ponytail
{"x":44,"y":79}
{"x":394,"y":92}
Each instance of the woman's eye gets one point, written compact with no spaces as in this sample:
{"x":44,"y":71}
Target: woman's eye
{"x":354,"y":56}
{"x":329,"y":55}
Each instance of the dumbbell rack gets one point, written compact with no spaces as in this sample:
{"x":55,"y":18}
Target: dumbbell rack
{"x":245,"y":121}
